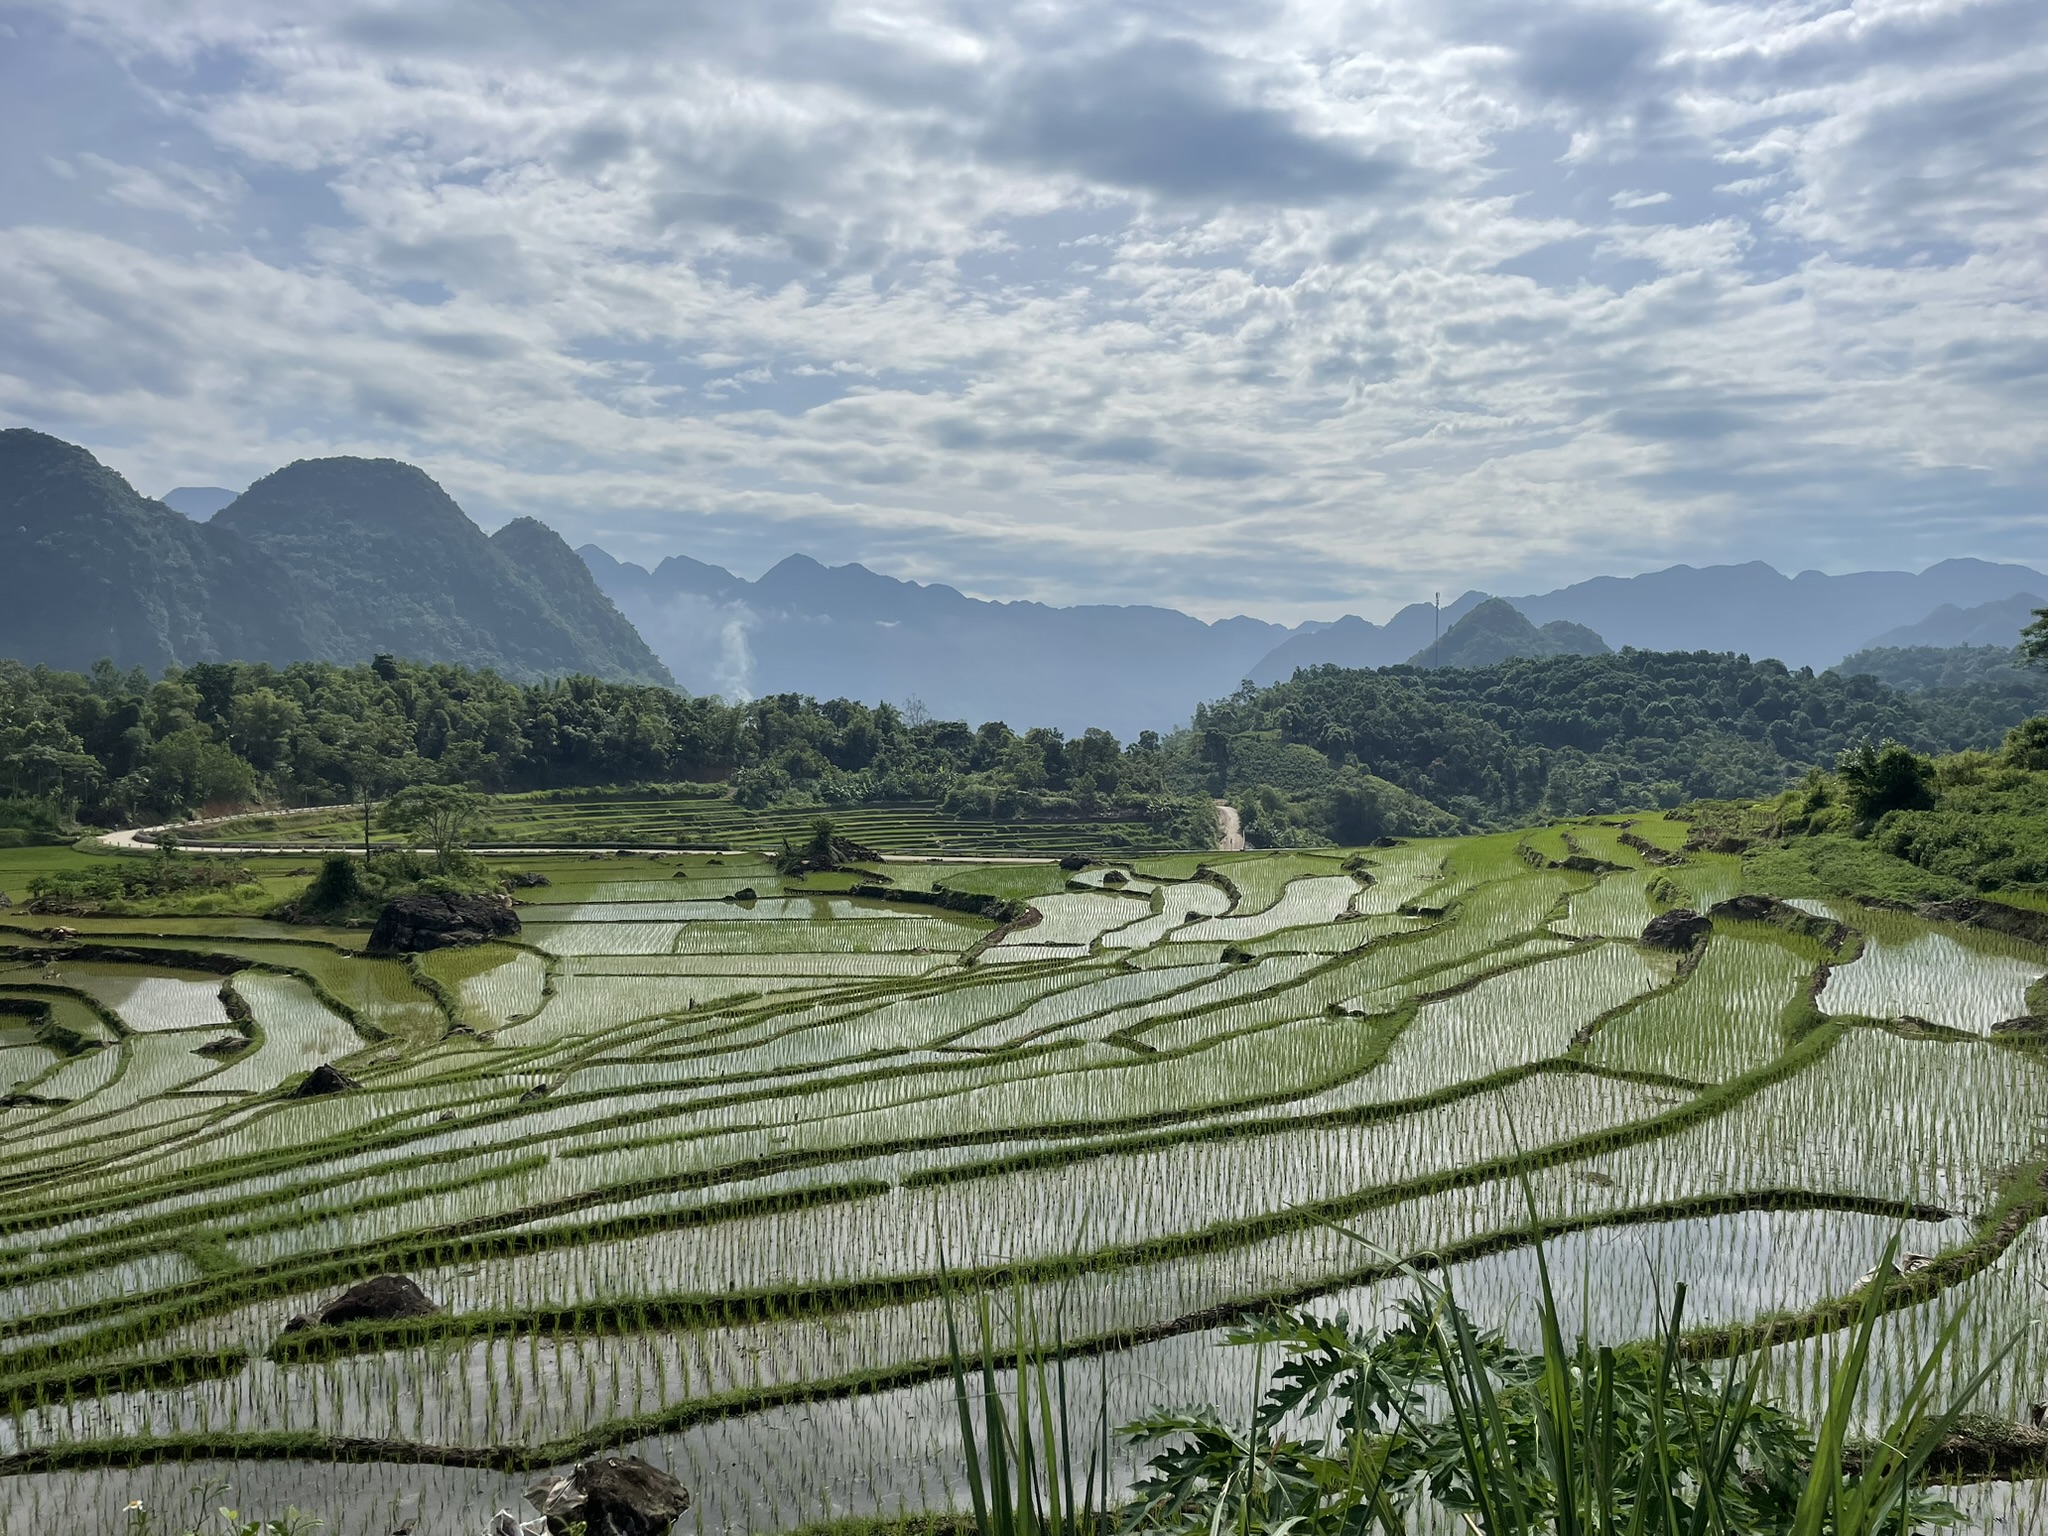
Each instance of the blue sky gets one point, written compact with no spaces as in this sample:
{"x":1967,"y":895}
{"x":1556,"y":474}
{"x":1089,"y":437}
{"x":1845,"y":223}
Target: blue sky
{"x":1288,"y":309}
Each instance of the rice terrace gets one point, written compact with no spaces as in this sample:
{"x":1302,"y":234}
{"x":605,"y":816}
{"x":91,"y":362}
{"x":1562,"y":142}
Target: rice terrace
{"x":697,"y":1163}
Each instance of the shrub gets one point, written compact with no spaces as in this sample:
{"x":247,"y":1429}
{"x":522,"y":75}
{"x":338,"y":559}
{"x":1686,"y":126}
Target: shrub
{"x":1887,"y":778}
{"x":2026,"y":744}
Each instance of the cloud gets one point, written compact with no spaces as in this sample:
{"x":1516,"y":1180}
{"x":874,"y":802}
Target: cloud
{"x":1157,"y":116}
{"x":1269,"y":308}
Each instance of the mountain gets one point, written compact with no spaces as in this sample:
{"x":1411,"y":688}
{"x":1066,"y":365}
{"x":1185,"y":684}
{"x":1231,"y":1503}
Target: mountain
{"x":1356,"y":642}
{"x":94,"y":569}
{"x":327,"y":559}
{"x":1996,"y":623}
{"x":198,"y":502}
{"x":1811,"y":619}
{"x":384,"y":560}
{"x":845,"y":630}
{"x":1495,"y":632}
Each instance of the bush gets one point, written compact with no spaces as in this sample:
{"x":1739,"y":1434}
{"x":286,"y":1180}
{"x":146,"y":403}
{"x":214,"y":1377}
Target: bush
{"x":1887,"y":778}
{"x":112,"y":884}
{"x":2026,"y":744}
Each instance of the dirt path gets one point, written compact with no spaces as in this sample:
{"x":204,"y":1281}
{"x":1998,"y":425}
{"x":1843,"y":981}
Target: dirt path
{"x":1229,"y":835}
{"x":142,"y":839}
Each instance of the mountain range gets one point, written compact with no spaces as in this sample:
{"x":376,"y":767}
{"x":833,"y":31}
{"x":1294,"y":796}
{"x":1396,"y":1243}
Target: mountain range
{"x":846,"y":631}
{"x":338,"y":559}
{"x":324,"y":560}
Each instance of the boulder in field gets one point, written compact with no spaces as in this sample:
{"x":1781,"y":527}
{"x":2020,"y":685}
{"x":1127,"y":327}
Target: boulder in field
{"x":611,"y":1496}
{"x":426,"y":920}
{"x":323,"y":1079}
{"x":380,"y":1299}
{"x":1680,"y":929}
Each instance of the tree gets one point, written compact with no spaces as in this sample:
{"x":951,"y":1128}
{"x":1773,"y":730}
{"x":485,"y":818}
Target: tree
{"x":2026,"y":744}
{"x":436,"y":816}
{"x":1887,"y":778}
{"x":2033,"y":645}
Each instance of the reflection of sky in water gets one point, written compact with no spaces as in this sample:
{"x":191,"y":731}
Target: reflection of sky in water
{"x":1925,"y":974}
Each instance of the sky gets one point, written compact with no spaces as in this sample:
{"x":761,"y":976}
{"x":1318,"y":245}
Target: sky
{"x":1283,"y":309}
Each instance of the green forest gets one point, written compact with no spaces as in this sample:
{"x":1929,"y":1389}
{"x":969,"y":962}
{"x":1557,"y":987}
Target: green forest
{"x":1345,"y":755}
{"x":1330,"y":756}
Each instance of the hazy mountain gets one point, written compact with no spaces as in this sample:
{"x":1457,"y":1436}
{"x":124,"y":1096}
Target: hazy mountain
{"x":1810,"y":619}
{"x":199,"y":502}
{"x":384,"y":560}
{"x":1356,"y":642}
{"x":844,"y":630}
{"x":1495,"y":631}
{"x":1996,"y":623}
{"x":328,"y":559}
{"x":93,"y":569}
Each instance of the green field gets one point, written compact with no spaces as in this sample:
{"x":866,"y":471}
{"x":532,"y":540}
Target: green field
{"x":683,"y":1171}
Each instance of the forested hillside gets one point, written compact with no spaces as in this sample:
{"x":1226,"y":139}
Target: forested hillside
{"x":328,"y":559}
{"x":1331,"y":755}
{"x":1322,"y":754}
{"x":113,"y":748}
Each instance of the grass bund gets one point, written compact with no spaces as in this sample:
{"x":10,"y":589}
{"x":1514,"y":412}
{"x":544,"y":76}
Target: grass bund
{"x":818,"y":1195}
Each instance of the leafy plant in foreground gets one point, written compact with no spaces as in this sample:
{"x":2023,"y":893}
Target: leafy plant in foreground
{"x":1573,"y":1440}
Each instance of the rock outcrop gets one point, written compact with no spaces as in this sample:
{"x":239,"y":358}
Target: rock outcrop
{"x":1825,"y":931}
{"x":611,"y":1496}
{"x":324,"y":1079}
{"x":1974,"y":912}
{"x":1680,"y":929}
{"x":381,"y":1299}
{"x":427,"y":920}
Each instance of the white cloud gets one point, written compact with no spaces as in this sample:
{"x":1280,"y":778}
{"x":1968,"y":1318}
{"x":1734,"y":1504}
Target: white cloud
{"x":1288,"y":308}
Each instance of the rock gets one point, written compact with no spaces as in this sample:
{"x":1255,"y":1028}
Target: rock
{"x":613,"y":1496}
{"x":1116,"y":877}
{"x":5,"y":901}
{"x":1074,"y":861}
{"x":744,"y":893}
{"x":1973,"y":912}
{"x":427,"y":920}
{"x":1713,"y":840}
{"x":226,"y":1045}
{"x":1650,"y":852}
{"x":526,"y":880}
{"x":1768,"y":909}
{"x":382,"y":1299}
{"x":2025,"y":1024}
{"x":1384,"y":842}
{"x":1681,"y":928}
{"x":323,"y":1079}
{"x":1748,"y":909}
{"x":1909,"y":1264}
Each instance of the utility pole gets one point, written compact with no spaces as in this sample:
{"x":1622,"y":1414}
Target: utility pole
{"x":1437,"y":601}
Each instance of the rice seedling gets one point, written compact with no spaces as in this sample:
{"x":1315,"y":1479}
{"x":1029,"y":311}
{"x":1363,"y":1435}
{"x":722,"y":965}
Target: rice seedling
{"x":685,"y":1186}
